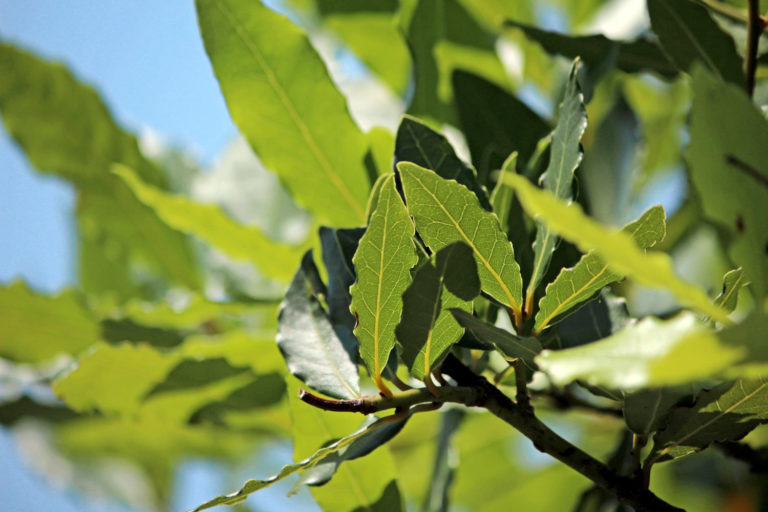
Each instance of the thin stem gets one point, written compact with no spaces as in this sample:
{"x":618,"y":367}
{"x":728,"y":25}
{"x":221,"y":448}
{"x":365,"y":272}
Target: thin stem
{"x":523,"y":401}
{"x":755,"y":27}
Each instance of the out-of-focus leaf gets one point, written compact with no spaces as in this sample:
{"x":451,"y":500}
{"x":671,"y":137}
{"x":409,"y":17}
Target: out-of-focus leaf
{"x":427,"y":330}
{"x":445,"y":462}
{"x":419,"y":144}
{"x":117,"y":331}
{"x":208,"y":223}
{"x":724,"y":413}
{"x":382,"y":263}
{"x":65,"y":129}
{"x":316,"y":353}
{"x":35,"y":327}
{"x":26,"y":408}
{"x":728,"y":170}
{"x":510,"y":345}
{"x":689,"y":34}
{"x":608,"y":168}
{"x":380,"y":151}
{"x":617,"y":249}
{"x":649,"y":353}
{"x":446,"y":212}
{"x":647,"y":410}
{"x":565,"y":155}
{"x":339,"y":247}
{"x":733,"y":282}
{"x":442,"y":37}
{"x":495,"y":123}
{"x":369,"y":30}
{"x":629,"y":56}
{"x":595,"y":320}
{"x":300,"y":129}
{"x":577,"y":284}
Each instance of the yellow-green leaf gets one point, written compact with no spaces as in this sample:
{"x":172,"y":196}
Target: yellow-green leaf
{"x":617,"y":249}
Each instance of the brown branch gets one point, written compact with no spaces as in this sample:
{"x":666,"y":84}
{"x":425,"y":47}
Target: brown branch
{"x":523,"y":401}
{"x":755,"y":27}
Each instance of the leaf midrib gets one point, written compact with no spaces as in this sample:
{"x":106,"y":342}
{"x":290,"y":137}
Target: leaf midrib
{"x":285,"y":100}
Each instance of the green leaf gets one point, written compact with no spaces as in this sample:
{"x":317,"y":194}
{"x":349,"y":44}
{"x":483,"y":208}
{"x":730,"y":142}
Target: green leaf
{"x":733,"y":282}
{"x":380,"y":151}
{"x":617,"y":249}
{"x":577,"y":284}
{"x":339,"y":247}
{"x":595,"y":320}
{"x":510,"y":345}
{"x":444,"y":466}
{"x":688,"y":34}
{"x":725,"y":413}
{"x":565,"y":155}
{"x":316,"y":353}
{"x":647,"y":410}
{"x":419,"y":144}
{"x":300,"y":128}
{"x":35,"y":328}
{"x":382,"y":263}
{"x":728,"y":170}
{"x":495,"y":123}
{"x":630,"y":56}
{"x":208,"y":223}
{"x":649,"y":353}
{"x":446,"y":212}
{"x":369,"y":30}
{"x":65,"y":129}
{"x":427,"y":330}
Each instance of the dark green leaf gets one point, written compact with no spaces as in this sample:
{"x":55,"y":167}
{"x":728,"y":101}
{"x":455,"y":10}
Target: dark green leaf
{"x":444,"y":467}
{"x":595,"y":320}
{"x":419,"y":144}
{"x":724,"y":413}
{"x":647,"y":410}
{"x":427,"y":330}
{"x":688,"y":34}
{"x":565,"y":155}
{"x":339,"y":246}
{"x":495,"y":123}
{"x":117,"y":331}
{"x":324,"y":358}
{"x":510,"y":345}
{"x":293,"y":125}
{"x":630,"y":56}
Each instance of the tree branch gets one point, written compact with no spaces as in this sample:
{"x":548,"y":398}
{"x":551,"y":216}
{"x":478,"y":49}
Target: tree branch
{"x":755,"y":27}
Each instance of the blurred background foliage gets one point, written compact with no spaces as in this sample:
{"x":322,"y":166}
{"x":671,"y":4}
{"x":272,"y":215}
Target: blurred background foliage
{"x":149,"y":363}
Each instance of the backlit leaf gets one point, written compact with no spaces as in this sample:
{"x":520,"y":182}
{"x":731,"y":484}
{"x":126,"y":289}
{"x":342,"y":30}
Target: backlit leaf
{"x":446,"y":212}
{"x":321,"y":356}
{"x":617,"y":249}
{"x":733,"y":282}
{"x":211,"y":225}
{"x":688,"y":34}
{"x":300,"y":128}
{"x":577,"y":284}
{"x":565,"y":155}
{"x":382,"y":263}
{"x":427,"y":329}
{"x":724,"y":413}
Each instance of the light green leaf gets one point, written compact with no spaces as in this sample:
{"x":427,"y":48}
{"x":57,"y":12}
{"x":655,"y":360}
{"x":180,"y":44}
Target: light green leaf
{"x":502,"y":196}
{"x":728,"y":170}
{"x":382,"y":263}
{"x":380,"y":150}
{"x":254,"y":485}
{"x":495,"y":123}
{"x":688,"y":34}
{"x":510,"y":345}
{"x":419,"y":144}
{"x":617,"y":249}
{"x":733,"y":282}
{"x":724,"y":413}
{"x":427,"y":330}
{"x":446,"y":212}
{"x":649,"y":353}
{"x":321,"y":356}
{"x":577,"y":284}
{"x":565,"y":155}
{"x":36,"y":327}
{"x":298,"y":126}
{"x":65,"y":129}
{"x":208,"y":223}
